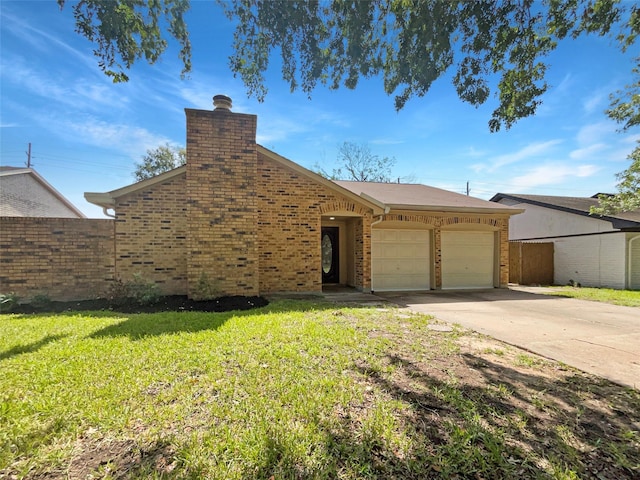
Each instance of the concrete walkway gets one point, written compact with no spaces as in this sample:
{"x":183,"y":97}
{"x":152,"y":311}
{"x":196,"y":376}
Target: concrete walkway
{"x":597,"y":338}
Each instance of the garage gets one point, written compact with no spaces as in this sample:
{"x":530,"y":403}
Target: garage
{"x":400,"y":259}
{"x":468,"y":259}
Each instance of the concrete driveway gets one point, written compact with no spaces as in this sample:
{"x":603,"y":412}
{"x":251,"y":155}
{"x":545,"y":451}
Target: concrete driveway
{"x":597,"y":338}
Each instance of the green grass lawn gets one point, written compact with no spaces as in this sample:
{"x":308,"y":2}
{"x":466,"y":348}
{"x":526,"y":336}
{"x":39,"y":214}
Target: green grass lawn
{"x":297,"y":390}
{"x":629,"y":298}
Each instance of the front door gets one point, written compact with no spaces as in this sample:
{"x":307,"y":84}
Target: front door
{"x":330,"y":258}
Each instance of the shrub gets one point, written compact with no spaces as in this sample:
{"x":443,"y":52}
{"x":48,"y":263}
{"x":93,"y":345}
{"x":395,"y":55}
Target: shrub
{"x":142,"y":291}
{"x":8,"y":301}
{"x":40,"y":301}
{"x":118,"y":293}
{"x":138,"y":290}
{"x":205,"y":289}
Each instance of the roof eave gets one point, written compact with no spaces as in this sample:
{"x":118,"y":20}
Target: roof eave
{"x":104,"y":200}
{"x":108,"y":199}
{"x":616,"y":222}
{"x":454,"y":209}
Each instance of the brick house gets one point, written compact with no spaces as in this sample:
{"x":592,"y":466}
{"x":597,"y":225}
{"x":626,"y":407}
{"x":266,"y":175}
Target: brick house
{"x":257,"y":223}
{"x":25,"y":193}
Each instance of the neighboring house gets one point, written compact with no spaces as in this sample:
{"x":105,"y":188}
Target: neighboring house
{"x":597,"y":251}
{"x":250,"y":221}
{"x":24,"y":193}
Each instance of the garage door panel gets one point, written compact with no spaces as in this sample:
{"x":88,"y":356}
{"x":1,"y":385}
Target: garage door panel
{"x":402,"y":282}
{"x":467,"y":259}
{"x":399,"y":266}
{"x":400,"y":260}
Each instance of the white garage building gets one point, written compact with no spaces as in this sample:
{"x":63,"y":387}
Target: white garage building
{"x":591,"y":250}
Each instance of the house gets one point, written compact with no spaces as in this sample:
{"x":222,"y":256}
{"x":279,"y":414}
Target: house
{"x":24,"y":193}
{"x":253,"y":222}
{"x":596,"y":251}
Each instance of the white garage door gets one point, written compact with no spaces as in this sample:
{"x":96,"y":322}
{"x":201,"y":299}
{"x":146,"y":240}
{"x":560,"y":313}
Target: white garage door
{"x":400,"y":260}
{"x":467,"y":259}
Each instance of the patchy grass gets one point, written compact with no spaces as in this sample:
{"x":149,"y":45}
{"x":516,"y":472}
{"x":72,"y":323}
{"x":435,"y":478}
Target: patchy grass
{"x":297,"y":390}
{"x":629,"y":298}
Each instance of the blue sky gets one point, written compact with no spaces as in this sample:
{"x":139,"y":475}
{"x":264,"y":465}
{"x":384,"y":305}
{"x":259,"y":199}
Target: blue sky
{"x":87,"y":132}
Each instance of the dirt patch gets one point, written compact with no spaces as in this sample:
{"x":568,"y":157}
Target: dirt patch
{"x":539,"y":413}
{"x":173,"y":303}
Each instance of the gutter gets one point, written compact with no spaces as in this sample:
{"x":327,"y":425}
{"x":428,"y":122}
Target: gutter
{"x":454,"y":209}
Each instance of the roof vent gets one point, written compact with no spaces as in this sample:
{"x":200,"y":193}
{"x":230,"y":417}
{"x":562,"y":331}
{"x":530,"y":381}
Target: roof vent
{"x":222,"y":102}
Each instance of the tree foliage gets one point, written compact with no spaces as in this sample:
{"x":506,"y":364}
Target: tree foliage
{"x":628,"y":196}
{"x":159,"y":160}
{"x":625,"y":109}
{"x":490,"y":47}
{"x":410,"y":43}
{"x":359,"y":164}
{"x":413,"y":43}
{"x":125,"y":31}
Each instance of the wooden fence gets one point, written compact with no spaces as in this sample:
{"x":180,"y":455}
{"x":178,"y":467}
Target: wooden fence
{"x":531,"y":263}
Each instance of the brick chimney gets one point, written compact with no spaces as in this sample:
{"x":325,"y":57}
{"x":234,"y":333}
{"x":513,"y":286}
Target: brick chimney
{"x":222,"y":208}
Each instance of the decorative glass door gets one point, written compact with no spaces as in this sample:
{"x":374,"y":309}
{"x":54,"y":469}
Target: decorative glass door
{"x":330,"y":258}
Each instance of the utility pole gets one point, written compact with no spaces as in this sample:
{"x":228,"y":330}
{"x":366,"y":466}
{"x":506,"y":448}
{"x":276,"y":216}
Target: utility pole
{"x":468,"y":188}
{"x":28,"y":152}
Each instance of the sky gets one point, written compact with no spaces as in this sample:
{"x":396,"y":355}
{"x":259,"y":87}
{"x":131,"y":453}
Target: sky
{"x":87,"y":133}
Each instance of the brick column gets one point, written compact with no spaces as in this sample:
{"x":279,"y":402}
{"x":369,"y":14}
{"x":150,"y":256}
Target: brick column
{"x":437,"y":242}
{"x":221,"y":200}
{"x":504,"y":252}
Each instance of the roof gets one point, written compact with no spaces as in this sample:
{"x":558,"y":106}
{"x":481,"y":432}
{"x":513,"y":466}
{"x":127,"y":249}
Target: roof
{"x":29,"y":203}
{"x":576,"y":205}
{"x":407,"y":196}
{"x":380,"y":197}
{"x":108,"y":199}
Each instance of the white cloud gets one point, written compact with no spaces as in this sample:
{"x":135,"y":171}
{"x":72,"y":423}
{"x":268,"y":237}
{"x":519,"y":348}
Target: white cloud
{"x":475,"y":153}
{"x":79,"y":94}
{"x":531,"y":151}
{"x":131,"y":140}
{"x":44,"y":41}
{"x":587,"y":152}
{"x":596,"y":101}
{"x":551,"y":174}
{"x":277,"y":128}
{"x":632,"y":139}
{"x":594,"y":133}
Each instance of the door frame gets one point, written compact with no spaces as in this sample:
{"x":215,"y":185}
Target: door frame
{"x":333,"y":275}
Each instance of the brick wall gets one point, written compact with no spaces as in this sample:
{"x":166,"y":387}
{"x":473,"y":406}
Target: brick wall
{"x":64,"y":258}
{"x":290,"y":207}
{"x":221,"y":204}
{"x":151,"y":236}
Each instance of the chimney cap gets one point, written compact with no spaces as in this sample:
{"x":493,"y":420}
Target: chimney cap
{"x":222,"y":102}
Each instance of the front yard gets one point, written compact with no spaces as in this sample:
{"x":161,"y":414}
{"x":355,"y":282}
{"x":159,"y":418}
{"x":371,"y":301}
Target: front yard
{"x":297,"y":390}
{"x":629,"y":298}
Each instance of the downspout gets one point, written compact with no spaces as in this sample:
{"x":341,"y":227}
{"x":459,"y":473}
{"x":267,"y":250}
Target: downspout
{"x":630,"y":261}
{"x":386,"y":210}
{"x":106,"y":214}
